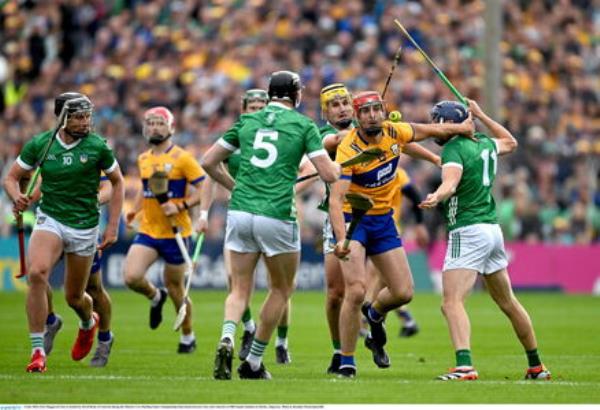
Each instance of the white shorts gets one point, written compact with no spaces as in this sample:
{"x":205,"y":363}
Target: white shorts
{"x":248,"y":232}
{"x":328,"y":238}
{"x":479,"y":247}
{"x":78,"y":241}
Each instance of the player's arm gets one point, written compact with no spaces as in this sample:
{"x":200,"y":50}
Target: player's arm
{"x":115,"y":205}
{"x":336,"y":213}
{"x":306,"y":168}
{"x":11,"y":185}
{"x":211,"y":162}
{"x":331,"y":141}
{"x":104,"y":191}
{"x":419,"y":152}
{"x":451,"y":175}
{"x":443,"y":131}
{"x":504,"y":139}
{"x":206,"y":199}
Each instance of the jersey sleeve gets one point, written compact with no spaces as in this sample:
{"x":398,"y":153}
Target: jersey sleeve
{"x":107,"y":160}
{"x":313,"y":145}
{"x":29,"y":155}
{"x":404,"y":132}
{"x":192,"y":170}
{"x":451,"y":155}
{"x":344,"y":153}
{"x":231,"y":140}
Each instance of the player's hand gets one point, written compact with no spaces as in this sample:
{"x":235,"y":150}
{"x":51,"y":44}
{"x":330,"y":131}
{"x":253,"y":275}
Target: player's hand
{"x":129,"y":218}
{"x":169,"y":208}
{"x":201,"y":225}
{"x":421,"y":236}
{"x":431,"y":201}
{"x":475,"y":109}
{"x":340,"y":251}
{"x":109,"y":238}
{"x":468,"y":128}
{"x":21,"y":203}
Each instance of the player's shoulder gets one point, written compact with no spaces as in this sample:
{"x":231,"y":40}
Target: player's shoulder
{"x":327,"y":129}
{"x":41,"y":138}
{"x":144,"y":156}
{"x":96,"y":140}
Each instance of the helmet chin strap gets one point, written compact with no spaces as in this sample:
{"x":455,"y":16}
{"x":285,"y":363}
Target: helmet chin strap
{"x":373,"y":131}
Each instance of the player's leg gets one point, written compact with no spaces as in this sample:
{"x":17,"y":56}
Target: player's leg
{"x":174,"y":278}
{"x":45,"y":248}
{"x":102,"y":305}
{"x":282,"y":354}
{"x":77,"y":271}
{"x":409,"y":324}
{"x":499,"y":288}
{"x":355,"y":289}
{"x":243,"y":256}
{"x":53,"y":324}
{"x":247,"y":320}
{"x":375,"y":284}
{"x":334,"y":282}
{"x":140,"y":256}
{"x":279,"y":242}
{"x":281,"y":269}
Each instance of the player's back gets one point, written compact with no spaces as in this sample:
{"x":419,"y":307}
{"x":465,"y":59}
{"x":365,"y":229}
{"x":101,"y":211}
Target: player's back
{"x":272,"y":142}
{"x":472,"y":202}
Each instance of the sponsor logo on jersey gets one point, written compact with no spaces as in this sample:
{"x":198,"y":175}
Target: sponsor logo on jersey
{"x":168,"y":167}
{"x":383,"y":172}
{"x":51,"y":157}
{"x":394,"y":149}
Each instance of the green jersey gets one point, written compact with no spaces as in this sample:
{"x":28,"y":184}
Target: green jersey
{"x":233,"y":163}
{"x":272,"y":142}
{"x":472,"y":203}
{"x":70,"y":176}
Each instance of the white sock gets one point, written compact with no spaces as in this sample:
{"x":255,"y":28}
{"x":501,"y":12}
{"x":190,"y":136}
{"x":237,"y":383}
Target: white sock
{"x":187,"y":339}
{"x":156,"y":298}
{"x":250,"y":326}
{"x":254,"y":361}
{"x":281,"y":342}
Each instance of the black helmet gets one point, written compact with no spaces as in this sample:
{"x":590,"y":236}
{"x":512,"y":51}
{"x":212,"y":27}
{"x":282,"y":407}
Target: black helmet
{"x":285,"y":85}
{"x":449,"y":111}
{"x":80,"y":103}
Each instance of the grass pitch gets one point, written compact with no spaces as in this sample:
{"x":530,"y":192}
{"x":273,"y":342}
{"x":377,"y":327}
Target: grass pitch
{"x":145,"y":368}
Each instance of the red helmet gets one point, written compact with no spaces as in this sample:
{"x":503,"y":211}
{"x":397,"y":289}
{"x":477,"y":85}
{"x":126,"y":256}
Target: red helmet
{"x":162,"y":112}
{"x":366,"y":98}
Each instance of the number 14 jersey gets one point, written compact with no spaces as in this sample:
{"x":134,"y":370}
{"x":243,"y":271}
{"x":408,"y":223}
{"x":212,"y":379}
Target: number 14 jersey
{"x":272,"y":143}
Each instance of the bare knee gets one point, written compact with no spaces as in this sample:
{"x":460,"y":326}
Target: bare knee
{"x":355,"y":293}
{"x":132,"y":279}
{"x":335,"y":295}
{"x":450,"y":305}
{"x":174,"y":288}
{"x":402,"y":295}
{"x":75,"y":300}
{"x":38,"y":275}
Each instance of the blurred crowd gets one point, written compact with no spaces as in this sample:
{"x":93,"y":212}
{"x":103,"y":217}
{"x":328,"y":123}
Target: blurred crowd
{"x":198,"y":56}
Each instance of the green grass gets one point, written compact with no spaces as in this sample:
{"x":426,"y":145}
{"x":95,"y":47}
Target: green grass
{"x":144,"y":367}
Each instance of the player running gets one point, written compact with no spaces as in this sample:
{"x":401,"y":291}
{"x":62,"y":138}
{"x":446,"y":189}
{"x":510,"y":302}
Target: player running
{"x":376,"y":235}
{"x":67,"y":218}
{"x":155,"y":237}
{"x":261,"y":219}
{"x":475,"y":242}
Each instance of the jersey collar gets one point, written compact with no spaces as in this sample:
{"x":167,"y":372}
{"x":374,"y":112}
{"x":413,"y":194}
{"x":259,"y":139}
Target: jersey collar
{"x":68,"y":146}
{"x":278,"y":104}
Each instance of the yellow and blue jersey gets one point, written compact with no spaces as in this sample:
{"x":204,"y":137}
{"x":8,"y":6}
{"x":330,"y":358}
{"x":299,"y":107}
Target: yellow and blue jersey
{"x":182,"y":169}
{"x":376,"y":179}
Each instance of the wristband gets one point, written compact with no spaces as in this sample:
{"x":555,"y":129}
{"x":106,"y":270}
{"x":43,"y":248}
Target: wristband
{"x":204,"y":215}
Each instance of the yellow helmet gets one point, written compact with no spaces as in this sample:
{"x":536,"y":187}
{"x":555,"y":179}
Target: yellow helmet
{"x":333,"y":91}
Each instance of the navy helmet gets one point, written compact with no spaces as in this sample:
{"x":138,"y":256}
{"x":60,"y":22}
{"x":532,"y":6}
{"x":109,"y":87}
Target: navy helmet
{"x":80,"y":103}
{"x":449,"y":111}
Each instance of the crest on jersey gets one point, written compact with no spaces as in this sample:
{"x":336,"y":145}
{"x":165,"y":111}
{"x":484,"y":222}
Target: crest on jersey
{"x":168,"y":167}
{"x":83,"y":158}
{"x":394,"y":149}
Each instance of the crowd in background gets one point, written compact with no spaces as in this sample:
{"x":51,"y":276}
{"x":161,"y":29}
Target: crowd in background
{"x":197,"y":57}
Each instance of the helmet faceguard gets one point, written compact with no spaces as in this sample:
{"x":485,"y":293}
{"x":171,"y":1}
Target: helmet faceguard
{"x":79,"y":113}
{"x":159,"y":125}
{"x":254,"y":95}
{"x":332,"y":92}
{"x":285,"y":85}
{"x":368,"y":99}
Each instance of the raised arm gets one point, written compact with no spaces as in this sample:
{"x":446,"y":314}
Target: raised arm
{"x":504,"y":139}
{"x":444,"y":131}
{"x":419,"y":152}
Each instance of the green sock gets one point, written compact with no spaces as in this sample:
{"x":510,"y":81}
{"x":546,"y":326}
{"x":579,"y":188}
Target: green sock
{"x":282,"y":332}
{"x":463,"y":358}
{"x":337,"y":345}
{"x":533,"y":358}
{"x":247,"y":315}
